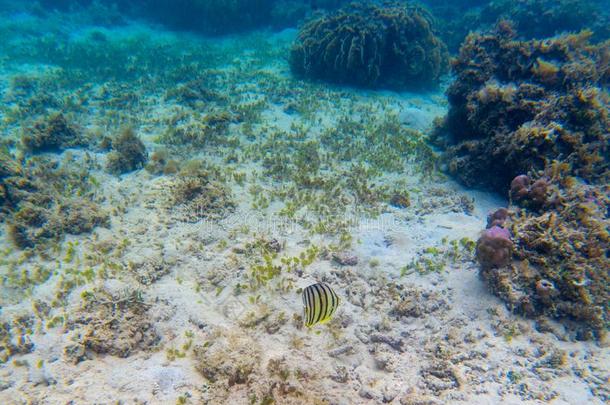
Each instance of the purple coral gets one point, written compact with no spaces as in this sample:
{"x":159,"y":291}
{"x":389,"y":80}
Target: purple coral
{"x":497,"y":218}
{"x":519,"y":187}
{"x":494,"y":247}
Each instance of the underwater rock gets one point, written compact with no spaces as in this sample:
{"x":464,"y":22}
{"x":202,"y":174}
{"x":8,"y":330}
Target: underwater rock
{"x":416,"y":303}
{"x":128,"y":153}
{"x":51,"y":133}
{"x":369,"y":45}
{"x":494,"y":247}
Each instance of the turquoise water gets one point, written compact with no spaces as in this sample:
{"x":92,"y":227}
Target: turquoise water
{"x":173,"y":176}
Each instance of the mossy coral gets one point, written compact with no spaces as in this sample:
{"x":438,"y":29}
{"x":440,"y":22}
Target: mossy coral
{"x":43,"y":199}
{"x":371,"y":45}
{"x":51,"y":133}
{"x":507,"y":117}
{"x":128,"y":153}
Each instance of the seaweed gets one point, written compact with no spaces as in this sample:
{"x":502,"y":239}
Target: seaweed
{"x":371,"y":45}
{"x":198,"y":192}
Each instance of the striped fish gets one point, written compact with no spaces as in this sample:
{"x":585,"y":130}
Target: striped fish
{"x":320,"y":303}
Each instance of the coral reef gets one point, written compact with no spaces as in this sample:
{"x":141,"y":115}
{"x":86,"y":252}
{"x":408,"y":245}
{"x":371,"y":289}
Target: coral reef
{"x":110,"y":323}
{"x":517,"y":106}
{"x":546,"y":18}
{"x":128,"y":153}
{"x":531,"y":117}
{"x":51,"y":133}
{"x":535,"y":19}
{"x":369,"y":45}
{"x":559,"y":263}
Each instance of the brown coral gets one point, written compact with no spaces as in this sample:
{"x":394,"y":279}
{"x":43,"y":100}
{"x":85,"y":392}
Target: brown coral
{"x":51,"y":133}
{"x":369,"y":45}
{"x":505,"y":120}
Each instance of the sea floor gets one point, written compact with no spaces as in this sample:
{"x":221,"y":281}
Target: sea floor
{"x":183,"y":301}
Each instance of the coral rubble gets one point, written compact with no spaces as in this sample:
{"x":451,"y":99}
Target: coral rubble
{"x":110,"y":323}
{"x":369,"y":45}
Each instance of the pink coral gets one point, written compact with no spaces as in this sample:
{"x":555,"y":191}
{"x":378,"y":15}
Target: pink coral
{"x":494,"y":247}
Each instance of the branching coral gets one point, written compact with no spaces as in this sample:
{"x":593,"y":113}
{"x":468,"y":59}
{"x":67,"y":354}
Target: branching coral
{"x":369,"y":45}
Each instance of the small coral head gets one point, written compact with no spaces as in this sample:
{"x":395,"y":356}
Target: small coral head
{"x":494,"y":247}
{"x":519,"y":187}
{"x":497,"y":218}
